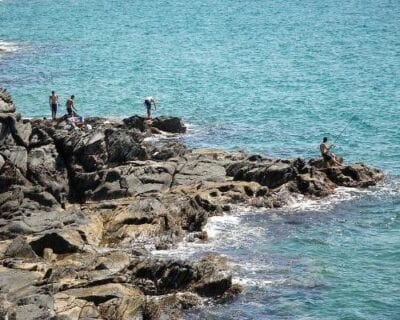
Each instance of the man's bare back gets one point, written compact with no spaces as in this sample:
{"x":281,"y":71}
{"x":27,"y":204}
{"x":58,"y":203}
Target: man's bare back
{"x":69,"y":103}
{"x":70,"y":106}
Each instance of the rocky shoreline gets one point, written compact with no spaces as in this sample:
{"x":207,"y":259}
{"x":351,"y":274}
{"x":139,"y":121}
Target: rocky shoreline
{"x":81,"y":211}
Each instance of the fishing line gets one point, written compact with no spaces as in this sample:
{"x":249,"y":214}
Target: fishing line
{"x":345,"y":127}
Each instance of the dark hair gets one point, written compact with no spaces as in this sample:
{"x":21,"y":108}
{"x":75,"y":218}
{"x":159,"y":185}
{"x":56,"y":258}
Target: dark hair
{"x":72,"y":96}
{"x":52,"y":92}
{"x":325,"y":139}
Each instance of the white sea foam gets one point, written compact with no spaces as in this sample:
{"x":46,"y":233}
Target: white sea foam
{"x":389,"y":188}
{"x":230,"y":231}
{"x":8,"y":47}
{"x":260,"y":283}
{"x":219,"y":224}
{"x":159,"y":137}
{"x":190,"y":127}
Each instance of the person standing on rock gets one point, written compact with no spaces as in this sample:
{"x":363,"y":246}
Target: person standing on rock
{"x":70,"y":106}
{"x":53,"y":102}
{"x":148,"y":102}
{"x":329,"y":158}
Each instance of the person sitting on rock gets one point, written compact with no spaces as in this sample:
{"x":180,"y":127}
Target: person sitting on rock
{"x":327,"y":155}
{"x":76,"y":122}
{"x":148,"y":102}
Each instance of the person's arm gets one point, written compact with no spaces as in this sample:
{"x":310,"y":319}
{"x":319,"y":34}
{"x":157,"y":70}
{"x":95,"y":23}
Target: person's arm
{"x":49,"y":100}
{"x":155,"y":107}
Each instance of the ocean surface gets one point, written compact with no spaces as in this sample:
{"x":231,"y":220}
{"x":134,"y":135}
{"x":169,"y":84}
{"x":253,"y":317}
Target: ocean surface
{"x":266,"y":76}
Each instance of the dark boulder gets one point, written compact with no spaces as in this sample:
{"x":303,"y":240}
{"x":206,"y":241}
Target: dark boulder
{"x":122,"y":147}
{"x":357,"y":175}
{"x":39,"y":137}
{"x":166,"y":276}
{"x":11,"y":176}
{"x":168,"y":151}
{"x":17,"y":155}
{"x":6,"y":103}
{"x":43,"y":198}
{"x":169,"y":124}
{"x":46,"y":167}
{"x":213,"y":276}
{"x":135,"y":122}
{"x":91,"y":150}
{"x":19,"y":248}
{"x":265,"y":173}
{"x":60,"y":242}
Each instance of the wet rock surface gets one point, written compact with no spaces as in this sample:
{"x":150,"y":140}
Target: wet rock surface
{"x":81,"y":210}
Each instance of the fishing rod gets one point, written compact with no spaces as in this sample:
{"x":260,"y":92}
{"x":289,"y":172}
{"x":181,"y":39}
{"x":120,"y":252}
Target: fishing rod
{"x":345,"y":127}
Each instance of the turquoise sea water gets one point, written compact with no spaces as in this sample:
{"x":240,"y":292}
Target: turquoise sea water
{"x":270,"y":77}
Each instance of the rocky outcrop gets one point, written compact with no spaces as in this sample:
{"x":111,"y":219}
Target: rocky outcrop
{"x":169,"y":124}
{"x":312,"y":178}
{"x":81,"y":210}
{"x":6,"y":103}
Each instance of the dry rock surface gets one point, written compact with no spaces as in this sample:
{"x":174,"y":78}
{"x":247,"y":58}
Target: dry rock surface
{"x":81,"y":211}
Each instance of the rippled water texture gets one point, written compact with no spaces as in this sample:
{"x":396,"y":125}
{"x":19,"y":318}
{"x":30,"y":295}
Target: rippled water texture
{"x":271,"y":77}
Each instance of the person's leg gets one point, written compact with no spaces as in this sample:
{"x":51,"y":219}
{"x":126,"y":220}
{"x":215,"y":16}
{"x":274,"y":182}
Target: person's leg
{"x":148,"y":112}
{"x":53,"y":111}
{"x":327,"y":160}
{"x":337,"y":163}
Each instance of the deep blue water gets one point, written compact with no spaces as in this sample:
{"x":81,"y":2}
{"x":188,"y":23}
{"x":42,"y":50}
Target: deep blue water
{"x":265,"y":76}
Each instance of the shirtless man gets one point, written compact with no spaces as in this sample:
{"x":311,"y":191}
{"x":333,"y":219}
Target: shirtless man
{"x":53,"y":102}
{"x":148,"y":102}
{"x":329,"y":158}
{"x":70,"y":106}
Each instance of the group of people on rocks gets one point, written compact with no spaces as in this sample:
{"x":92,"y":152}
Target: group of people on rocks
{"x":149,"y":102}
{"x":54,"y":102}
{"x":73,"y":120}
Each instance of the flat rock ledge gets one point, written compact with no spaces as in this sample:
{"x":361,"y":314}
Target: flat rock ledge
{"x":81,"y":211}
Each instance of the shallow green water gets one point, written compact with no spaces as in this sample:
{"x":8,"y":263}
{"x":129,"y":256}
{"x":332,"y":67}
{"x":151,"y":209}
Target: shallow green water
{"x":266,"y":76}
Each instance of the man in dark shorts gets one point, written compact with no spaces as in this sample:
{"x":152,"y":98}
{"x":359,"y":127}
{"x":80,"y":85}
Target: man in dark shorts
{"x":70,"y":106}
{"x":53,"y":102}
{"x":329,"y":158}
{"x":148,"y":102}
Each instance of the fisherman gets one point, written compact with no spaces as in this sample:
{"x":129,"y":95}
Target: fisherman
{"x":327,"y":155}
{"x":148,"y":102}
{"x":53,"y":102}
{"x":71,"y":111}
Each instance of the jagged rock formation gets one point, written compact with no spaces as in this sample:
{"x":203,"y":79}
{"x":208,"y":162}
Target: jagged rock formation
{"x":81,"y":210}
